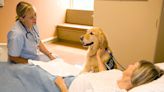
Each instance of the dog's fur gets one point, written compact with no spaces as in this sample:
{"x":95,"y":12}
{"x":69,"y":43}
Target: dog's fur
{"x":95,"y":39}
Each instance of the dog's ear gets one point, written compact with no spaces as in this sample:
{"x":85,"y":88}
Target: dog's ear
{"x":102,"y":39}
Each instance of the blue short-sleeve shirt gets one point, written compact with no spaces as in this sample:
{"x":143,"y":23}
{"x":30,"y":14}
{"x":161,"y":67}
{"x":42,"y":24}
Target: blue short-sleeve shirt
{"x":24,"y":43}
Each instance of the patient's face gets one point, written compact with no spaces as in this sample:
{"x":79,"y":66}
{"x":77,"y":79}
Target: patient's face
{"x":129,"y":71}
{"x":125,"y":81}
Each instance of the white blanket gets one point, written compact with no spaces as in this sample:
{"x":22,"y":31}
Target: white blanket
{"x":58,"y":67}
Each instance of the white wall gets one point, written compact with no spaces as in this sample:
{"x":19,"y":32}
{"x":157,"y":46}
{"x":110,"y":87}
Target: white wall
{"x":131,"y":27}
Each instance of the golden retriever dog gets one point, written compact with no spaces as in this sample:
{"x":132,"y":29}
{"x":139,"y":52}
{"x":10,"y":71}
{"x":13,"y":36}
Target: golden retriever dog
{"x":95,"y":39}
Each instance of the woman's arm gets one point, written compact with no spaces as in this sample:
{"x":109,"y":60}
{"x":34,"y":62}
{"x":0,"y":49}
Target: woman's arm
{"x":44,"y":50}
{"x":15,"y":45}
{"x":20,"y":60}
{"x":101,"y":66}
{"x":61,"y":84}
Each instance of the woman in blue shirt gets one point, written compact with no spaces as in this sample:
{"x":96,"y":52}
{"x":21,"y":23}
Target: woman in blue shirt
{"x":23,"y":40}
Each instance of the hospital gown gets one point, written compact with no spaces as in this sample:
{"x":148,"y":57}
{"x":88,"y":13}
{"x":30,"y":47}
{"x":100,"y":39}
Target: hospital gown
{"x":105,"y":81}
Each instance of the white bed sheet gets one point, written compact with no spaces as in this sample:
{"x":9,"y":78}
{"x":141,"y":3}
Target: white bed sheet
{"x":58,"y":67}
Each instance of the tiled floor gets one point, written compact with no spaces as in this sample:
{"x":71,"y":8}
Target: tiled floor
{"x":71,"y":53}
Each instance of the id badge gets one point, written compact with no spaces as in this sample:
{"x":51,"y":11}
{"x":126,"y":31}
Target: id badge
{"x":110,"y":63}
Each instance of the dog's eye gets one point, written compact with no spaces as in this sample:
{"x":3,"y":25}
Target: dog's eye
{"x":91,"y":33}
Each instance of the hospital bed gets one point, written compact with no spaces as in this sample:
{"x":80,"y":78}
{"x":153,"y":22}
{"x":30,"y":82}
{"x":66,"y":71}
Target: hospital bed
{"x":34,"y":78}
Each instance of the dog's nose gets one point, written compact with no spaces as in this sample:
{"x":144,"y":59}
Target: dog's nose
{"x":81,"y":38}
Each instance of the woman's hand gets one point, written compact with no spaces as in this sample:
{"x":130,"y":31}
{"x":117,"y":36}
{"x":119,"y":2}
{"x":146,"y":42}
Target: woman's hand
{"x":44,"y":50}
{"x":99,"y":52}
{"x":101,"y":65}
{"x":51,"y":56}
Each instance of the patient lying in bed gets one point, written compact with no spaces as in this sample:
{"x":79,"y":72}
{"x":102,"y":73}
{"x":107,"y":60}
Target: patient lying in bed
{"x":136,"y":74}
{"x":106,"y":81}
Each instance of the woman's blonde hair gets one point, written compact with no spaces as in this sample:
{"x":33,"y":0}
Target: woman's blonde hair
{"x":22,"y":8}
{"x":145,"y":72}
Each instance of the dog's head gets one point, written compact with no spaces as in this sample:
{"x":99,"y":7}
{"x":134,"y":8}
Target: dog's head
{"x":94,"y":37}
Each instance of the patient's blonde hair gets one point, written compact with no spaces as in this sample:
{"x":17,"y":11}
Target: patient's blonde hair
{"x":22,"y":8}
{"x":145,"y":72}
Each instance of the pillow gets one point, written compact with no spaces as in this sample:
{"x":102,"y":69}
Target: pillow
{"x":161,"y":65}
{"x":154,"y":86}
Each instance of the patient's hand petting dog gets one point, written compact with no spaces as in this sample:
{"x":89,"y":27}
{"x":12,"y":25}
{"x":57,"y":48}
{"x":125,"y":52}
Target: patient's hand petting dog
{"x":95,"y":39}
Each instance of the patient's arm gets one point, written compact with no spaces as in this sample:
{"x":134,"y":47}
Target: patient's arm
{"x":61,"y":84}
{"x":18,"y":59}
{"x":101,"y":66}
